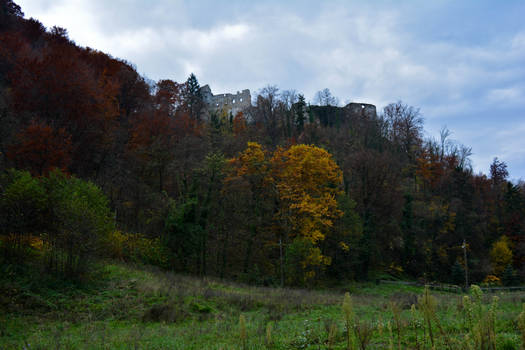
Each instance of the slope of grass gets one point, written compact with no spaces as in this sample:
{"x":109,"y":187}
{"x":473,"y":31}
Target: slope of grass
{"x":140,"y":308}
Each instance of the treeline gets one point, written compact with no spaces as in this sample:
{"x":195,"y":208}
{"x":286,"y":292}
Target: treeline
{"x":284,"y":193}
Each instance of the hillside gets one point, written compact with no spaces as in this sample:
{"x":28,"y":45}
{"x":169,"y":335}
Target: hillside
{"x":96,"y":162}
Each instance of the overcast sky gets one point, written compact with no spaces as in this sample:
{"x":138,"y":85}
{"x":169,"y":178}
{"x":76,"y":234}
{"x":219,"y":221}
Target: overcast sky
{"x":461,"y":62}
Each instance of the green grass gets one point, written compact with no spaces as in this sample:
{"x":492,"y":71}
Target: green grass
{"x":140,"y":308}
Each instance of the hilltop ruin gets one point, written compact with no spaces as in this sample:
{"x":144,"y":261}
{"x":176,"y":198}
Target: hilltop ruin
{"x":233,"y":103}
{"x":324,"y":115}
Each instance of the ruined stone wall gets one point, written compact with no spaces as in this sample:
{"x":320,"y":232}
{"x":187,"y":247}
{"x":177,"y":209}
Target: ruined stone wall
{"x":233,"y":103}
{"x":362,"y":109}
{"x":334,"y":116}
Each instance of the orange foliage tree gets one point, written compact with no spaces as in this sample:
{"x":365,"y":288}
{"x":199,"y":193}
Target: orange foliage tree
{"x":239,"y":124}
{"x":152,"y":141}
{"x":40,"y":148}
{"x":307,"y":181}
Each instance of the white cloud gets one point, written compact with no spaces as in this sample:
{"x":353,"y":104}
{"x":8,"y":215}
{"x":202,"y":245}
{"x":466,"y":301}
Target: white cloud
{"x":506,"y":95}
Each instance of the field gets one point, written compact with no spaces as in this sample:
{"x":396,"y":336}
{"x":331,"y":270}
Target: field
{"x":141,"y":308}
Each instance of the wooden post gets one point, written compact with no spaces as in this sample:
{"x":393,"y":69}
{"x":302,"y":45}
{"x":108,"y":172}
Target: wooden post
{"x":281,"y":260}
{"x":464,"y":246}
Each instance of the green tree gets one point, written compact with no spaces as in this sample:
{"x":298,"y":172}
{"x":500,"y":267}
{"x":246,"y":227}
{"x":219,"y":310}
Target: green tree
{"x":183,"y":234}
{"x":251,"y":167}
{"x":188,"y":221}
{"x":81,"y":221}
{"x":22,"y":208}
{"x":193,"y":97}
{"x":300,"y":110}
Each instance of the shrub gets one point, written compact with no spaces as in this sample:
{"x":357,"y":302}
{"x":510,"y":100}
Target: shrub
{"x":81,"y":221}
{"x":491,"y":280}
{"x":508,"y":276}
{"x":64,"y":217}
{"x":22,"y":207}
{"x":458,"y":274}
{"x":135,"y":247}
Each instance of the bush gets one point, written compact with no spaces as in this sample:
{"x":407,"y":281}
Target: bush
{"x":302,"y":262}
{"x":458,"y":274}
{"x":62,"y":217}
{"x":23,"y":204}
{"x":135,"y":247}
{"x":508,"y":277}
{"x":491,"y":280}
{"x":81,"y":221}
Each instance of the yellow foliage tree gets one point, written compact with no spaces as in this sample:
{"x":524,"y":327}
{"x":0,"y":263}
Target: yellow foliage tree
{"x":251,"y":162}
{"x":307,"y":181}
{"x":500,"y":255}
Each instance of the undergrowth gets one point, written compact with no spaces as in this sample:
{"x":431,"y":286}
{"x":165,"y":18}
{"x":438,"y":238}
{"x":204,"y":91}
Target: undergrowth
{"x":126,"y":307}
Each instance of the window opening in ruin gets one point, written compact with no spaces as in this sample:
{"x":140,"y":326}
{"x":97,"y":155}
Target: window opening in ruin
{"x":233,"y":101}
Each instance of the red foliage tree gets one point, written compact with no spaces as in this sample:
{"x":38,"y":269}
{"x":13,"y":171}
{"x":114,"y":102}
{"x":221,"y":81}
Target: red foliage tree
{"x":40,"y":149}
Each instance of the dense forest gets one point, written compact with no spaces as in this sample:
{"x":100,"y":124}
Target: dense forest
{"x":98,"y":161}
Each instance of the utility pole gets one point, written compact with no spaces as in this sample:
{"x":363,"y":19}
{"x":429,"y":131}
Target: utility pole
{"x":464,"y":246}
{"x":281,"y":260}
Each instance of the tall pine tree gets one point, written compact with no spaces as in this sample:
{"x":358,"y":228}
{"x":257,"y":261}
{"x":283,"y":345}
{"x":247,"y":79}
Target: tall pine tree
{"x":193,"y":97}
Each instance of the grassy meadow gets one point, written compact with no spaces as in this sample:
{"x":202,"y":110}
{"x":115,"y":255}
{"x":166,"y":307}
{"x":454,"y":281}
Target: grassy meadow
{"x":140,"y":308}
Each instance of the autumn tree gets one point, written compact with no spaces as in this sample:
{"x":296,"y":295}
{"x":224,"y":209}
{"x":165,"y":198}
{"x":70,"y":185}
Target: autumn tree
{"x":152,"y":141}
{"x":39,"y":148}
{"x":500,"y":255}
{"x":168,"y":97}
{"x":307,"y":181}
{"x":239,"y":124}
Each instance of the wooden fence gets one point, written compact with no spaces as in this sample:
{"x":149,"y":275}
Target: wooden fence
{"x":453,"y":288}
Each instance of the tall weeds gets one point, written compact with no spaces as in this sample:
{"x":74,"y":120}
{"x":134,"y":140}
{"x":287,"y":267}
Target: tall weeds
{"x":269,"y":328}
{"x":481,"y":321}
{"x":414,"y":324}
{"x":242,"y":331}
{"x":363,"y":332}
{"x":427,"y":304}
{"x":396,"y":312}
{"x":332,"y":332}
{"x":348,"y":314}
{"x":521,"y":326}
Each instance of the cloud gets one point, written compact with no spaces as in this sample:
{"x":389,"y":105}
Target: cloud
{"x":506,"y":95}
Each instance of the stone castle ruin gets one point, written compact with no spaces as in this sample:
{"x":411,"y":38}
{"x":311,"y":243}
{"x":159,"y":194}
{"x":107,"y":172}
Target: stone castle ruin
{"x":362,"y":109}
{"x":233,"y":103}
{"x":324,"y":115}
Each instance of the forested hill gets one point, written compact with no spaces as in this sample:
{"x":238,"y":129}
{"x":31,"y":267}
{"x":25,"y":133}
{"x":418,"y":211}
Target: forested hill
{"x":285,"y":192}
